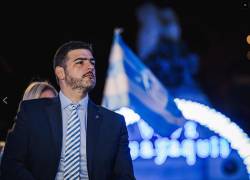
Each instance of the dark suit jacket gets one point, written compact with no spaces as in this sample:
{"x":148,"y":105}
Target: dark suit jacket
{"x":33,"y":147}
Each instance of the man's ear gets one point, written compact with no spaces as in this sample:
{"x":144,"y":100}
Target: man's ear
{"x":60,"y":74}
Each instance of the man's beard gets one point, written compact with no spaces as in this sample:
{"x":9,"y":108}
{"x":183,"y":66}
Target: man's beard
{"x":83,"y":83}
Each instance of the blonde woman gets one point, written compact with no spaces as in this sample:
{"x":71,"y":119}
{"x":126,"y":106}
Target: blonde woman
{"x":38,"y":90}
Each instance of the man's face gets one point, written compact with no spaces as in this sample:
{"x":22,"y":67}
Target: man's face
{"x":80,"y":70}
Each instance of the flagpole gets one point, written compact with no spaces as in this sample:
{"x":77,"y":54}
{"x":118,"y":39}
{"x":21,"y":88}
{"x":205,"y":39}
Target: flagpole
{"x":118,"y":31}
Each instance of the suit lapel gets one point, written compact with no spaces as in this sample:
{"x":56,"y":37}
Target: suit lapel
{"x":93,"y":125}
{"x":55,"y":119}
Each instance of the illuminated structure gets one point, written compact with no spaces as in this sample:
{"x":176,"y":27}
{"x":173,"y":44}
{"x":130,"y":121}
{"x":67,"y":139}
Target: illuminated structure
{"x":208,"y":145}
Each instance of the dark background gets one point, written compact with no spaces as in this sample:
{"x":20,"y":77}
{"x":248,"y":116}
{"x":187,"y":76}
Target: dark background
{"x":216,"y":31}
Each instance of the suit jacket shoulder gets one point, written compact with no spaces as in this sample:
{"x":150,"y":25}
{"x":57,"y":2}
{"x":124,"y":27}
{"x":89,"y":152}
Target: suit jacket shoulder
{"x":38,"y":102}
{"x":110,"y":114}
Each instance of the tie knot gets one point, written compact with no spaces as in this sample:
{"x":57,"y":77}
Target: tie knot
{"x":73,"y":106}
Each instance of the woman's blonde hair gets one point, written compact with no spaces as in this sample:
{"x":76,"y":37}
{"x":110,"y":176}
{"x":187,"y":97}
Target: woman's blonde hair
{"x":35,"y":89}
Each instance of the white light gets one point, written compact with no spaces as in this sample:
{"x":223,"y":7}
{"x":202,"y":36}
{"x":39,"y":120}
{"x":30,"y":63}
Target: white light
{"x":146,"y":149}
{"x":176,"y":134}
{"x":248,"y":169}
{"x":161,"y":150}
{"x":214,"y":147}
{"x":146,"y":131}
{"x":247,"y":160}
{"x":203,"y":148}
{"x":130,"y":116}
{"x":224,"y":148}
{"x":174,"y":148}
{"x":220,"y":124}
{"x":188,"y":151}
{"x":190,"y":130}
{"x":134,"y":149}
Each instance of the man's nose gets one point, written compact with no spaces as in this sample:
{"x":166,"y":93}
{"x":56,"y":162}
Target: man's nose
{"x":90,"y":64}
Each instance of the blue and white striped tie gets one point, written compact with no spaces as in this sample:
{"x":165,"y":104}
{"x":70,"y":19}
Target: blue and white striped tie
{"x":72,"y":145}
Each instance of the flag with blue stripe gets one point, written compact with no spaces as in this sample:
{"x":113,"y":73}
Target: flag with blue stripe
{"x":130,"y":83}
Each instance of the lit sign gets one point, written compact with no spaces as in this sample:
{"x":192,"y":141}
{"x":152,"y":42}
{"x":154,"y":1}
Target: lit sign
{"x":190,"y":147}
{"x":220,"y":124}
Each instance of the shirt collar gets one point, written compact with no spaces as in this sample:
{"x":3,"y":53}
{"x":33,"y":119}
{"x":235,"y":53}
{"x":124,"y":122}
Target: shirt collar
{"x":65,"y":101}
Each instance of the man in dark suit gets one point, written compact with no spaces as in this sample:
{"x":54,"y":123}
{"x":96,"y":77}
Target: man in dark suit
{"x":68,"y":137}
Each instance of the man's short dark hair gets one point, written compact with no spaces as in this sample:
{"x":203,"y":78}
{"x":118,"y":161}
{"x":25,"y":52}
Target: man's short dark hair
{"x":61,"y":53}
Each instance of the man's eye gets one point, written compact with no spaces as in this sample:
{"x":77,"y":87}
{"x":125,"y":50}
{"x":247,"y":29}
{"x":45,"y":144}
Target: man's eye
{"x":92,"y":62}
{"x":79,"y":62}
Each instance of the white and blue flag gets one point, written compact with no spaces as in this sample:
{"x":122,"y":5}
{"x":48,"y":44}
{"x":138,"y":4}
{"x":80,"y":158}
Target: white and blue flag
{"x":131,"y":84}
